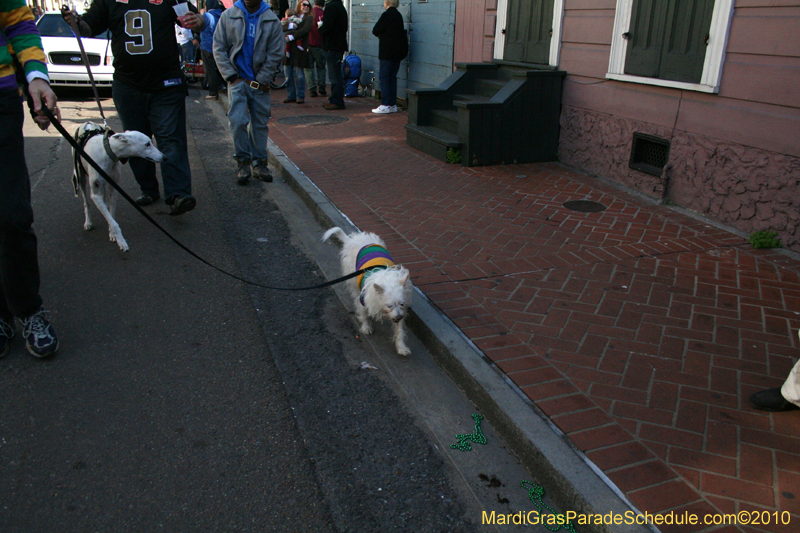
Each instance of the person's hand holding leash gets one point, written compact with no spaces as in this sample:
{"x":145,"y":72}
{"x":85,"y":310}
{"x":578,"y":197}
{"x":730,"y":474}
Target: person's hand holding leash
{"x":40,"y":90}
{"x":71,"y":17}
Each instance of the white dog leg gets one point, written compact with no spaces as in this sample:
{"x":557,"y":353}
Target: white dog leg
{"x":87,"y":223}
{"x":400,"y":339}
{"x":114,"y":231}
{"x":363,"y":319}
{"x":111,"y":200}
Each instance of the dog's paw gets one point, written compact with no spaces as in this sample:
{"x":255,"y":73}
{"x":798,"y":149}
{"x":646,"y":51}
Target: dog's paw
{"x":123,"y":245}
{"x":403,"y":350}
{"x":365,"y":329}
{"x":88,"y":226}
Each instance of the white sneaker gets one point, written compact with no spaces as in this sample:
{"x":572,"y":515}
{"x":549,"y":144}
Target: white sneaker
{"x":393,"y":109}
{"x":382,"y":109}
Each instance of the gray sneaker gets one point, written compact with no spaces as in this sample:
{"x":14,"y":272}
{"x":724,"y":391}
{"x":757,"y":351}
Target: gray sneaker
{"x":40,"y":337}
{"x":243,"y":174}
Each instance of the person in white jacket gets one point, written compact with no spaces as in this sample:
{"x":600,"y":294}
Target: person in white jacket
{"x":248,"y":47}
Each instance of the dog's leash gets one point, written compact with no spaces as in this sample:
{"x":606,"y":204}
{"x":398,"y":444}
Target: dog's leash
{"x":144,"y":213}
{"x":76,"y":30}
{"x":79,"y":150}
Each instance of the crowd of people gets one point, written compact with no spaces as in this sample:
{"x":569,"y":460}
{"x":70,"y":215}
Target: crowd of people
{"x":245,"y":45}
{"x":242,"y":49}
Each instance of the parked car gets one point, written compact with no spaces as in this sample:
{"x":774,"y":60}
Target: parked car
{"x":64,"y":64}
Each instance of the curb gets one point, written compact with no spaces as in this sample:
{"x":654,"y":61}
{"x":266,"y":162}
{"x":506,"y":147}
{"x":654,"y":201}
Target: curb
{"x":571,"y":479}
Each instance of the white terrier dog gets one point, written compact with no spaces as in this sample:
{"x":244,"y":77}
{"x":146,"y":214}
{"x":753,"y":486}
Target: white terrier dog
{"x":107,"y":150}
{"x":384,"y":291}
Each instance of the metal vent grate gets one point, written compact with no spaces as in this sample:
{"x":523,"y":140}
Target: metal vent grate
{"x":649,"y":154}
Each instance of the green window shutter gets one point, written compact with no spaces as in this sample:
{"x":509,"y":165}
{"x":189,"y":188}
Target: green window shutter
{"x":528,"y":31}
{"x":667,"y":39}
{"x":538,"y":49}
{"x":684,"y":51}
{"x":646,"y":37}
{"x":517,"y":30}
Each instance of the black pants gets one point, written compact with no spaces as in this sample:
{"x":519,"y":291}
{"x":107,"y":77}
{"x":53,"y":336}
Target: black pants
{"x":334,"y":63}
{"x":19,"y":263}
{"x":212,"y":76}
{"x":163,"y":115}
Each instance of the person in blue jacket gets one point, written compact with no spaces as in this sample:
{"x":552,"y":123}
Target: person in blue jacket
{"x":214,"y":9}
{"x":248,"y":47}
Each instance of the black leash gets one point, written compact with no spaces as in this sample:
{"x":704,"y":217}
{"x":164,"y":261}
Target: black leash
{"x":130,"y":200}
{"x":76,"y":30}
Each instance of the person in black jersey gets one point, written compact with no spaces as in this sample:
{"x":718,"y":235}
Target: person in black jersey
{"x":149,"y":87}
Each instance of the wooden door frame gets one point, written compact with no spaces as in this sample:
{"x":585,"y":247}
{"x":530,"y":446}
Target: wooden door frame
{"x":555,"y":41}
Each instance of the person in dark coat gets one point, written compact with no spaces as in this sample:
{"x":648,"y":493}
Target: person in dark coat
{"x":214,"y":9}
{"x":333,"y":29}
{"x":149,"y":87}
{"x":296,"y":35}
{"x":392,"y":49}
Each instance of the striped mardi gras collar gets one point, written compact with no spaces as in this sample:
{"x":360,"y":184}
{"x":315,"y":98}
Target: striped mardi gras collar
{"x":372,"y":257}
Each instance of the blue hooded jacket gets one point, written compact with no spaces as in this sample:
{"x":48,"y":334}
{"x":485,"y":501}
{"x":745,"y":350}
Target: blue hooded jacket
{"x":244,"y":59}
{"x":211,"y":18}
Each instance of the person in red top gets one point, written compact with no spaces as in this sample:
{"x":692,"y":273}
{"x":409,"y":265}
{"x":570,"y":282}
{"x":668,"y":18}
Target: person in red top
{"x":315,"y":74}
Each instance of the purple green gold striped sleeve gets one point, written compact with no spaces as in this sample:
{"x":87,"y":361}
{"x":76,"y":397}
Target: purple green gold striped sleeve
{"x":18,"y":31}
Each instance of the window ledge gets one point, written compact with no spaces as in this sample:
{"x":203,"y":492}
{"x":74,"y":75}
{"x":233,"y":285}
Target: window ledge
{"x":663,"y":83}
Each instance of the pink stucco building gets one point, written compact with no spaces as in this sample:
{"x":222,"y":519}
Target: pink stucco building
{"x":695,"y":103}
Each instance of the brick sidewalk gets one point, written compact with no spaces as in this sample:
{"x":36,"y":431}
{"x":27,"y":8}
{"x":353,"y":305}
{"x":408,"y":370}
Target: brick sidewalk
{"x":640,"y":331}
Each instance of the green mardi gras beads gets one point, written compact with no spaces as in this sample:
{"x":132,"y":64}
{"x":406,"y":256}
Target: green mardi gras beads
{"x":536,"y":494}
{"x":476,"y":437}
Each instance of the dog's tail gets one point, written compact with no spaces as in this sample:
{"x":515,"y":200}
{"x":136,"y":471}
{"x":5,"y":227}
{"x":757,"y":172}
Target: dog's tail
{"x":339,"y":232}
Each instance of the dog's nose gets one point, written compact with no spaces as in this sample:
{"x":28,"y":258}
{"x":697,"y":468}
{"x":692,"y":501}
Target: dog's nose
{"x":398,"y":318}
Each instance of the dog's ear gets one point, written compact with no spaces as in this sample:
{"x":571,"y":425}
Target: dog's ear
{"x":378,"y":288}
{"x":405,"y":278}
{"x":121,"y":137}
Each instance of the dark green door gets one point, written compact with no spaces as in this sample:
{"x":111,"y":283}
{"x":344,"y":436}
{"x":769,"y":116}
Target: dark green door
{"x":529,"y":29}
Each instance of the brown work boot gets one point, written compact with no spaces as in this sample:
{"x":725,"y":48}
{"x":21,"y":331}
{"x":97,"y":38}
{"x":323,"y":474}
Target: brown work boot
{"x":261,"y":171}
{"x":243,"y":174}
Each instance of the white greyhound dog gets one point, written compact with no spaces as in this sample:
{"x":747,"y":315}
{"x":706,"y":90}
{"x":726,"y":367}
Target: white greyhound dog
{"x":107,"y":150}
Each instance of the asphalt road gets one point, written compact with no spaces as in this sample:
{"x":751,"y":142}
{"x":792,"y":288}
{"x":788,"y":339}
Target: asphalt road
{"x":183,"y":400}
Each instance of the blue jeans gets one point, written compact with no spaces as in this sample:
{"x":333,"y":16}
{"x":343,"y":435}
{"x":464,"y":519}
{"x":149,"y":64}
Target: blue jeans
{"x":163,"y":115}
{"x":295,"y":83}
{"x":388,"y":80}
{"x":248,"y":115}
{"x":187,"y":52}
{"x":315,"y":76}
{"x":334,"y":64}
{"x":19,"y":260}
